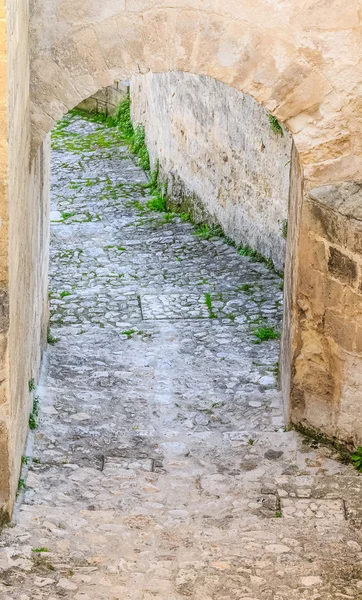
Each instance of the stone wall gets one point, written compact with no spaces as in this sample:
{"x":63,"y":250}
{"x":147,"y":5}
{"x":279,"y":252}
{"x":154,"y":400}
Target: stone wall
{"x":106,"y":100}
{"x":219,"y":155}
{"x":327,"y":390}
{"x":24,"y":196}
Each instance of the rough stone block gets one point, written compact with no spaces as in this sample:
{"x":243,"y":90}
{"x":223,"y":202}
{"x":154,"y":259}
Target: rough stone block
{"x":333,"y":293}
{"x":344,"y":198}
{"x":342,"y":267}
{"x":352,"y":304}
{"x":356,"y":237}
{"x":313,"y":252}
{"x":325,"y":222}
{"x":312,"y":286}
{"x":342,"y":330}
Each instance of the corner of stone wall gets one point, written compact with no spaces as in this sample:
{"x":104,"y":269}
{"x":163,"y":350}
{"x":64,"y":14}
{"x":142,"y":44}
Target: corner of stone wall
{"x":326,"y":391}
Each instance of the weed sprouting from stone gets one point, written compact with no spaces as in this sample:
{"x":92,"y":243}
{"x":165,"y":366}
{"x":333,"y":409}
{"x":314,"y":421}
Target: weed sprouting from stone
{"x":246,"y":287}
{"x":39,"y":550}
{"x":168,"y":217}
{"x":33,"y":417}
{"x":123,"y":118}
{"x":208,"y":302}
{"x":230,"y":316}
{"x":134,"y":137}
{"x":31,"y":384}
{"x":276,"y":369}
{"x":67,"y":215}
{"x":42,"y":562}
{"x":21,"y":485}
{"x":256,"y":256}
{"x":64,"y":294}
{"x":275,"y":125}
{"x":356,"y":459}
{"x":157,"y":203}
{"x":206,"y":231}
{"x":267,"y":333}
{"x":129,"y":333}
{"x":51,"y":339}
{"x":36,"y":403}
{"x":139,"y":148}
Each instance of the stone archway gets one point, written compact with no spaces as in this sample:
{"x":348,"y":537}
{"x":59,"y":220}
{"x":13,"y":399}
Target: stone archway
{"x":302,"y":62}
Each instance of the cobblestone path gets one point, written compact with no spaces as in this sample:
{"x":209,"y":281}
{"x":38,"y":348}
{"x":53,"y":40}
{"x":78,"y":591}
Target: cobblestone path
{"x":161,"y":467}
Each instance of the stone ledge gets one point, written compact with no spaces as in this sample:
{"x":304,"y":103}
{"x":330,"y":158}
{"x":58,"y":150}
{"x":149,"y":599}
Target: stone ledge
{"x":345,"y":198}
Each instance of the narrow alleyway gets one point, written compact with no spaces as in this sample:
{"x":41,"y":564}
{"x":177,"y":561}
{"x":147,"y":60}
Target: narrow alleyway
{"x":161,"y":465}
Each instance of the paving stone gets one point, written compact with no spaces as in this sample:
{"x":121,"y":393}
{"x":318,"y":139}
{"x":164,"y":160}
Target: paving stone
{"x":162,"y":465}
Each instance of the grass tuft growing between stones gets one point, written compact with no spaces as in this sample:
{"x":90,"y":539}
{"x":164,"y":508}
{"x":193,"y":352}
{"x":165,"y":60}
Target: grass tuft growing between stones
{"x":246,"y":287}
{"x":33,"y":417}
{"x":256,"y":256}
{"x":157,"y":203}
{"x":129,"y":333}
{"x":51,"y":339}
{"x":275,"y":125}
{"x":21,"y":486}
{"x":136,"y":138}
{"x":208,"y":302}
{"x":206,"y":231}
{"x":267,"y":333}
{"x":356,"y":459}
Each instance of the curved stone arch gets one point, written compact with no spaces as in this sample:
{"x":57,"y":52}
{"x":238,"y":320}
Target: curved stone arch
{"x":303,"y":62}
{"x":277,"y":52}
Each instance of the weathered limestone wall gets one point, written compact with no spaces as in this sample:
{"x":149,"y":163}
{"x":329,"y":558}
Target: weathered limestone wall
{"x":327,"y":390}
{"x":24,"y":248}
{"x":219,"y":155}
{"x":106,"y":100}
{"x":4,"y":275}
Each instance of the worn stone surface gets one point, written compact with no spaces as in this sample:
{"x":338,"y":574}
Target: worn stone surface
{"x":106,"y":100}
{"x":161,"y":466}
{"x":286,"y":55}
{"x":219,"y":155}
